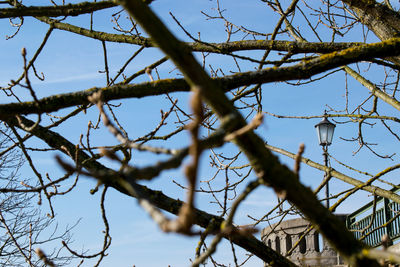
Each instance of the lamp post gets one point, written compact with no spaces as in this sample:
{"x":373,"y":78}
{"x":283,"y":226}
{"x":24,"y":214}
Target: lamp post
{"x":325,"y":130}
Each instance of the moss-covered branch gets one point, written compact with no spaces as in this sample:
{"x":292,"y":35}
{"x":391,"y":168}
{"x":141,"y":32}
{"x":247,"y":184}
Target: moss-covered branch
{"x":303,"y":70}
{"x":221,"y":48}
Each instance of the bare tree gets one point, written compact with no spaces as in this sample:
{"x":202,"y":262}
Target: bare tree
{"x":22,"y":225}
{"x":303,"y":43}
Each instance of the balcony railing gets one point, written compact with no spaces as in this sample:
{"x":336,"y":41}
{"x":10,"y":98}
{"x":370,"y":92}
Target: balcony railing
{"x":370,"y":226}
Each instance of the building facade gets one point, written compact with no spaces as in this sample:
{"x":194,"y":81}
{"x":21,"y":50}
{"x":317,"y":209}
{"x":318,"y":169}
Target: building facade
{"x":312,"y":250}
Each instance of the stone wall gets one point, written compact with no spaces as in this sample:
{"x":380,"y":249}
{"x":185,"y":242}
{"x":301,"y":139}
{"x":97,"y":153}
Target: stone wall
{"x":310,"y":252}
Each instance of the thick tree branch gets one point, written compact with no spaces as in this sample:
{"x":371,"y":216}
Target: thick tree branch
{"x":303,"y":70}
{"x":55,"y":11}
{"x":379,"y":18}
{"x":264,"y":164}
{"x":157,"y":198}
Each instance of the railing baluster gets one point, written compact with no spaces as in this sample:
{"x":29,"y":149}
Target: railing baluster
{"x":388,"y":216}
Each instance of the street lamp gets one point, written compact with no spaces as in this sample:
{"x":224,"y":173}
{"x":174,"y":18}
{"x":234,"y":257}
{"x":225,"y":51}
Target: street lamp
{"x":325,"y":130}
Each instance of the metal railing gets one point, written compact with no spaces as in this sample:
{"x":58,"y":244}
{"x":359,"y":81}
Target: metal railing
{"x":370,"y":226}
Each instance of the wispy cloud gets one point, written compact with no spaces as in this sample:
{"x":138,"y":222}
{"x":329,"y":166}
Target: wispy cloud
{"x":72,"y":78}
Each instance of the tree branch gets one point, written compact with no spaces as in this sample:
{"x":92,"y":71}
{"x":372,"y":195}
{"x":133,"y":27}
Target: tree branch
{"x":55,"y":11}
{"x":347,"y":179}
{"x":222,"y":48}
{"x":303,"y":70}
{"x":157,"y":198}
{"x":266,"y":166}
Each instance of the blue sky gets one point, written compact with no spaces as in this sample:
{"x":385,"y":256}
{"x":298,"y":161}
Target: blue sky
{"x":71,"y":63}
